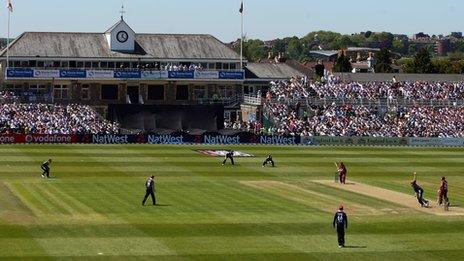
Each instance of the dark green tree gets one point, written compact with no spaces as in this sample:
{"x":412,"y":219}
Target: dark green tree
{"x":384,"y":38}
{"x":294,"y":48}
{"x":401,"y":46}
{"x":458,"y":46}
{"x":253,"y":50}
{"x":384,"y":61}
{"x":279,"y":46}
{"x":342,"y":42}
{"x":342,"y":64}
{"x":423,"y":62}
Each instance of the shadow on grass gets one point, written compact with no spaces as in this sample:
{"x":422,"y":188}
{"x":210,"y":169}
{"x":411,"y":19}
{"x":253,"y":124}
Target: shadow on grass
{"x":355,"y":246}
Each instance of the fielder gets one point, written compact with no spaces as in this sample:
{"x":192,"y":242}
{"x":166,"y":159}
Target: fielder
{"x":150,"y":190}
{"x":229,"y":155}
{"x":267,"y":160}
{"x":46,"y":168}
{"x":340,"y":222}
{"x":419,"y":192}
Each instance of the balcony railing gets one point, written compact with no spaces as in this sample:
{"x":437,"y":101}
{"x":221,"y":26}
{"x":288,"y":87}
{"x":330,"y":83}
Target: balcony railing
{"x":252,"y":100}
{"x":374,"y":103}
{"x":123,"y":74}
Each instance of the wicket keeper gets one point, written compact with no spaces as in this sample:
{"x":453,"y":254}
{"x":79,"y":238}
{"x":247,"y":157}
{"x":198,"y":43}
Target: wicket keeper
{"x":229,"y":155}
{"x":419,"y":192}
{"x":268,"y":160}
{"x":46,"y":168}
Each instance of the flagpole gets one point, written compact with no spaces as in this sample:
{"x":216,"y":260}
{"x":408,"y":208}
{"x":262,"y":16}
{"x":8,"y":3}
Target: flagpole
{"x":241,"y":36}
{"x":8,"y":41}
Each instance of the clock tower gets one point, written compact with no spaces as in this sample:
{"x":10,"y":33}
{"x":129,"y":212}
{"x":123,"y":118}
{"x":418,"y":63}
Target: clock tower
{"x":120,"y":37}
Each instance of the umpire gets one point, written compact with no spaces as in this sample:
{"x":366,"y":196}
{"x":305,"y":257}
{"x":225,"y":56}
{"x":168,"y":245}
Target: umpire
{"x":340,"y":221}
{"x":150,"y":186}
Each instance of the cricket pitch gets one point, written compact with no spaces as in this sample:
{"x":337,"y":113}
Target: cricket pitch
{"x":392,"y":196}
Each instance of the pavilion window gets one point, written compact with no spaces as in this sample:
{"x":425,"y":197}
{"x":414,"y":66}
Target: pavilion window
{"x":85,"y":92}
{"x":48,"y":64}
{"x":60,"y":92}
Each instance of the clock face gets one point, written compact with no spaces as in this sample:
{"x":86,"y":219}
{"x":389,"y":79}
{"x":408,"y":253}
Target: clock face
{"x":122,"y":36}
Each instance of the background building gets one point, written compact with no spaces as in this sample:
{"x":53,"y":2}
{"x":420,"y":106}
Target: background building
{"x":120,"y":66}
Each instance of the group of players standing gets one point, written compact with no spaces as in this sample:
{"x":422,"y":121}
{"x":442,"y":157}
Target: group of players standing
{"x":443,"y":199}
{"x":340,"y":221}
{"x":230,"y":155}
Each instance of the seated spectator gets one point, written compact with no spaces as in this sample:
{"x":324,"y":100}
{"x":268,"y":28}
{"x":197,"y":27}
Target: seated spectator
{"x":53,"y":119}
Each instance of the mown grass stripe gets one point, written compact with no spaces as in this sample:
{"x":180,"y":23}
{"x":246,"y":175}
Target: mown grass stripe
{"x":207,"y":213}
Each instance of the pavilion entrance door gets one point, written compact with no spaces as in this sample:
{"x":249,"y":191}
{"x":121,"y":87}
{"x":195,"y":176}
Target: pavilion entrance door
{"x":133,"y":93}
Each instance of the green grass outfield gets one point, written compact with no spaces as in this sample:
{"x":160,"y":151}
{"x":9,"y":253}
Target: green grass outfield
{"x":92,"y":209}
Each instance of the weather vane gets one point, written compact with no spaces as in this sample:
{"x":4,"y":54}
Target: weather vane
{"x":122,"y":10}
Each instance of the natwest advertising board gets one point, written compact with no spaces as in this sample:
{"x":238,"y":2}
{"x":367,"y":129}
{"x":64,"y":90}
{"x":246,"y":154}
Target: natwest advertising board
{"x":113,"y":139}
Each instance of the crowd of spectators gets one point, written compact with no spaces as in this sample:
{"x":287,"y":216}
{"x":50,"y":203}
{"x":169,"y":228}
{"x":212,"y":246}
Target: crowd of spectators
{"x":301,"y":88}
{"x":53,"y":119}
{"x":173,"y":67}
{"x":252,"y":126}
{"x":349,"y":120}
{"x":7,"y":96}
{"x":282,"y":108}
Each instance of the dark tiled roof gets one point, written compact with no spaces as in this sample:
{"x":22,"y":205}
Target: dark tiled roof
{"x":95,"y":45}
{"x":273,"y":71}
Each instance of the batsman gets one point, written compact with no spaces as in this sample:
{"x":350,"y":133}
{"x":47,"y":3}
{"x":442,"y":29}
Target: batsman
{"x":341,"y":169}
{"x":443,"y":194}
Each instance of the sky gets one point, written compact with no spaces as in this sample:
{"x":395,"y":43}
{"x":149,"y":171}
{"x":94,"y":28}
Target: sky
{"x":264,"y":19}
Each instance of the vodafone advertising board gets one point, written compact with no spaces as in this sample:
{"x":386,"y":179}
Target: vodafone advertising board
{"x":38,"y":138}
{"x":9,"y":139}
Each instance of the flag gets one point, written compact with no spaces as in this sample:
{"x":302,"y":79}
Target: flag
{"x":10,"y":6}
{"x":241,"y":8}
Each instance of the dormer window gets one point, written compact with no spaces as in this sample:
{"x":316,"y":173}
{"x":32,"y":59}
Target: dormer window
{"x":121,"y":38}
